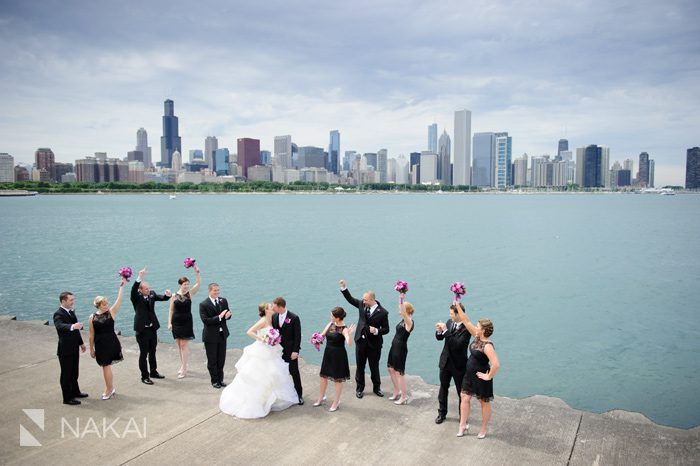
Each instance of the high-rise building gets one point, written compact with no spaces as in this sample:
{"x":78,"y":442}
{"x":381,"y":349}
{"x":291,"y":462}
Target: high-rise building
{"x":143,"y":147}
{"x":265,"y":158}
{"x":504,"y":148}
{"x":628,"y":164}
{"x":563,"y":146}
{"x":692,"y":168}
{"x":211,"y":144}
{"x":44,"y":160}
{"x":402,"y":170}
{"x":520,"y":171}
{"x":428,"y":167}
{"x":371,"y":158}
{"x":21,"y":173}
{"x":62,"y":169}
{"x":432,"y":138}
{"x":592,"y":166}
{"x":643,"y":175}
{"x":444,"y":162}
{"x":7,"y":168}
{"x":136,"y":172}
{"x":170,"y":141}
{"x":348,"y":159}
{"x":334,"y":152}
{"x":652,"y":164}
{"x":310,"y":156}
{"x":461,"y":168}
{"x":176,"y":161}
{"x":414,"y":167}
{"x":283,"y":151}
{"x":196,"y":154}
{"x":221,"y":162}
{"x":484,"y":160}
{"x":134,"y":155}
{"x":248,"y":154}
{"x":391,"y":170}
{"x":382,"y":156}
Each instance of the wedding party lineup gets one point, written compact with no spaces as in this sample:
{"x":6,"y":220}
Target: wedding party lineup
{"x":267,"y":374}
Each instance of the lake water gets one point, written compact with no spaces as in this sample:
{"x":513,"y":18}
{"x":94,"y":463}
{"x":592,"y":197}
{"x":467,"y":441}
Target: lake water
{"x":594,"y":298}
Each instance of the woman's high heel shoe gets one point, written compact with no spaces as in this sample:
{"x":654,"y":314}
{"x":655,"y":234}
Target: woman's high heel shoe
{"x":332,"y":409}
{"x":462,"y":432}
{"x":107,"y":397}
{"x":319,"y":403}
{"x":395,"y":397}
{"x":401,"y":402}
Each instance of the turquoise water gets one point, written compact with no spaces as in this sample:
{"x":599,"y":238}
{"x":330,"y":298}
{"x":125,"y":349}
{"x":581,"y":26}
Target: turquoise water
{"x":594,"y":298}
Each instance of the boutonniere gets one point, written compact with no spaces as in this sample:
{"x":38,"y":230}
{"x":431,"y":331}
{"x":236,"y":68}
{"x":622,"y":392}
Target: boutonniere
{"x":287,"y":320}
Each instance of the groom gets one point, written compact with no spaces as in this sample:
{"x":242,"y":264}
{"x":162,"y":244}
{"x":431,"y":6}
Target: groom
{"x":289,"y":327}
{"x":69,"y":340}
{"x":214,"y":313}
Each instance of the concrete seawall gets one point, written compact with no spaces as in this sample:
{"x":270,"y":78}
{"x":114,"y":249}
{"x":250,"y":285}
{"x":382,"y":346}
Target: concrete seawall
{"x":179,"y":420}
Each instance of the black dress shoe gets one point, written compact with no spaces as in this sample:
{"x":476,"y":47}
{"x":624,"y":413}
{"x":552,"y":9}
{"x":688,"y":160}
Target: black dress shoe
{"x":359,"y":394}
{"x":81,"y":395}
{"x":222,"y":384}
{"x":378,"y":392}
{"x":156,"y":375}
{"x":439,"y":419}
{"x":71,"y":402}
{"x":147,"y":381}
{"x":301,"y":401}
{"x":216,"y":385}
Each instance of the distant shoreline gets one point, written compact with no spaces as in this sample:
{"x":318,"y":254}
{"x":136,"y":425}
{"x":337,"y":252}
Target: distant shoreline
{"x":352,"y":192}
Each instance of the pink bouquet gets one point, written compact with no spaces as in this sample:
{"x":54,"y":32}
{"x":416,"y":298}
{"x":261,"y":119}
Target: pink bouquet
{"x":189,"y":262}
{"x":272,"y":337}
{"x":317,"y":340}
{"x":401,"y":286}
{"x":126,"y":273}
{"x":458,"y":289}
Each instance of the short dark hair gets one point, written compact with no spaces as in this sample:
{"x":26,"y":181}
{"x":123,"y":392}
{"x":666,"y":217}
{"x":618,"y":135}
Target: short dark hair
{"x":63,"y":296}
{"x":212,"y":285}
{"x":454,"y":308}
{"x":338,"y":312}
{"x":182,"y":280}
{"x":280,"y":301}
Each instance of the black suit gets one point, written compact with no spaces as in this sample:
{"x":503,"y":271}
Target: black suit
{"x":291,"y":343}
{"x":453,"y":361}
{"x":368,"y":347}
{"x":145,"y":326}
{"x":214,"y":335}
{"x":68,"y":352}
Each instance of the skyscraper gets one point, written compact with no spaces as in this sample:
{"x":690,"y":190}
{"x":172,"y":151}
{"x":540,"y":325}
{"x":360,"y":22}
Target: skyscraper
{"x":44,"y":160}
{"x":170,"y":141}
{"x":651,"y":172}
{"x":563,"y":146}
{"x":502,"y":175}
{"x":176,"y":161}
{"x":211,"y":144}
{"x":7,"y":168}
{"x":692,"y":168}
{"x":520,"y":171}
{"x":643,"y":175}
{"x":265,"y":157}
{"x":221,"y":161}
{"x":143,"y":147}
{"x":592,"y":166}
{"x":484,"y":163}
{"x":334,"y":152}
{"x":402,"y":170}
{"x":461,"y":168}
{"x":310,"y":156}
{"x":381,"y":167}
{"x":444,"y":153}
{"x":248,"y":154}
{"x":428,"y":167}
{"x":414,"y":167}
{"x":432,"y":138}
{"x":283,"y":151}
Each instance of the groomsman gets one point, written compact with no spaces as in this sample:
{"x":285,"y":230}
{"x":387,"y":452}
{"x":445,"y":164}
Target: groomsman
{"x":69,"y":340}
{"x":453,"y":359}
{"x":289,"y":327}
{"x":371,"y":326}
{"x":214,"y":313}
{"x":146,"y":326}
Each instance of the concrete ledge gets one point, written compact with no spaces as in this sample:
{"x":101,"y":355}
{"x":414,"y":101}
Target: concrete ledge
{"x":177,"y":421}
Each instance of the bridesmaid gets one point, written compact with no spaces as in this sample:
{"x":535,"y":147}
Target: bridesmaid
{"x":482,"y":366}
{"x":180,"y":319}
{"x":335,"y":358}
{"x":396,"y":362}
{"x":104,"y":344}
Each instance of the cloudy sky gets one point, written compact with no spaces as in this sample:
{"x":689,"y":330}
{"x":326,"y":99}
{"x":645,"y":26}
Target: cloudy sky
{"x":83,"y":76}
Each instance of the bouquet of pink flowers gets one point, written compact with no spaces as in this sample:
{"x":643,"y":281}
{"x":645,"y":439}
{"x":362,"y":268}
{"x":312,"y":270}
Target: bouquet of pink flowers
{"x":272,"y":337}
{"x":317,"y":340}
{"x":126,"y":273}
{"x":189,"y":262}
{"x":458,"y":289}
{"x":401,"y":286}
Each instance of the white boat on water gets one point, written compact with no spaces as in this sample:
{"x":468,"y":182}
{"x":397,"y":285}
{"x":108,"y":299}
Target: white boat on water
{"x":173,"y":196}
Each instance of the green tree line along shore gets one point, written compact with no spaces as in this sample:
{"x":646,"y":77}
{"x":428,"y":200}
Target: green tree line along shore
{"x":252,"y":186}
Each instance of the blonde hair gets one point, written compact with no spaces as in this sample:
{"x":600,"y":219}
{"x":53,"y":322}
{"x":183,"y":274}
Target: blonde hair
{"x":98,"y":301}
{"x":487,"y":327}
{"x":408,"y":307}
{"x":262,"y":307}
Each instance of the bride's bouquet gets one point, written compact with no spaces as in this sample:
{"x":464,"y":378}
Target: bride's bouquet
{"x":317,"y":340}
{"x":189,"y":262}
{"x":401,"y":286}
{"x":125,"y":273}
{"x":458,"y":289}
{"x":272,"y":337}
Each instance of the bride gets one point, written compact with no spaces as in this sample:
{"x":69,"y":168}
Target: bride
{"x":262,"y":383}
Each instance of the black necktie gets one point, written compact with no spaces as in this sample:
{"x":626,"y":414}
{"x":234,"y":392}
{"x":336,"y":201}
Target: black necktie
{"x":454,"y":326}
{"x":216,"y":304}
{"x":367,"y":314}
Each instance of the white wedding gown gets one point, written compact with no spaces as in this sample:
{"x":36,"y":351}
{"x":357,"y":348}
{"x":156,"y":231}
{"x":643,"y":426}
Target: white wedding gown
{"x":262,"y":383}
